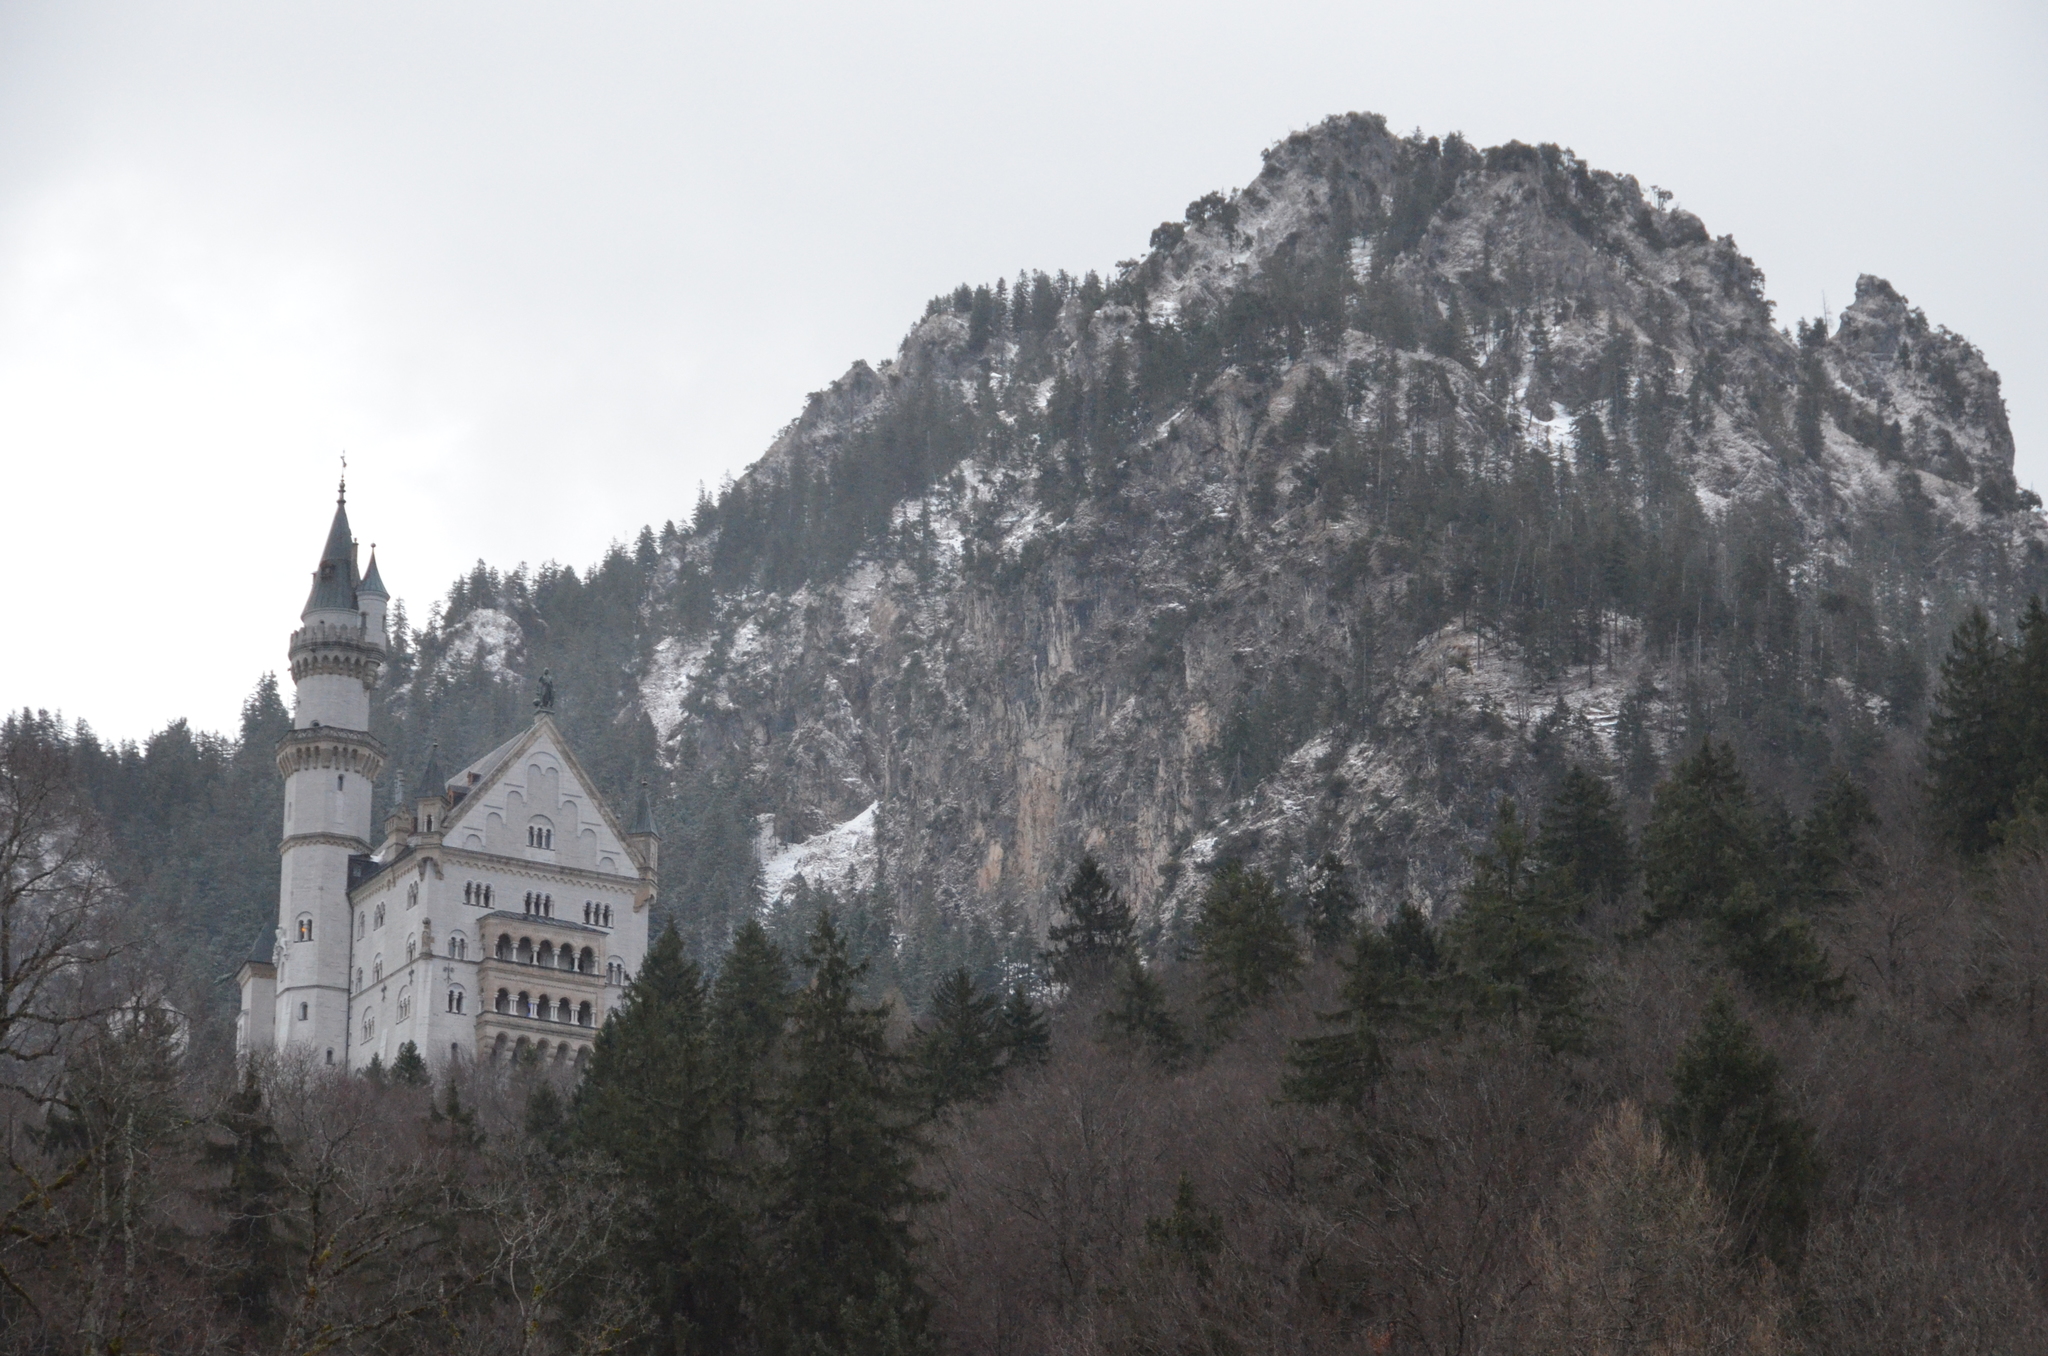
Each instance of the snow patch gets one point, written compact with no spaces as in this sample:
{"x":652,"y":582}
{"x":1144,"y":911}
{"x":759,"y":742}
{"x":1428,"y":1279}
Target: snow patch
{"x":486,"y":633}
{"x":841,"y":858}
{"x":667,"y":684}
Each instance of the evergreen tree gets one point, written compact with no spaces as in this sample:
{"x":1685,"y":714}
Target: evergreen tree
{"x":1332,"y":907}
{"x":1517,"y":952}
{"x":1582,"y":847}
{"x":840,"y":1190}
{"x":1098,"y":934}
{"x":1728,"y":1108}
{"x":1025,"y":1033}
{"x":959,"y":1054}
{"x":1392,"y":991}
{"x":409,"y":1069}
{"x":1703,"y":839}
{"x":649,"y":1103}
{"x":750,"y":1005}
{"x":1189,"y":1237}
{"x":251,"y":1200}
{"x":1139,"y":1016}
{"x":1248,"y":951}
{"x":1972,"y":758}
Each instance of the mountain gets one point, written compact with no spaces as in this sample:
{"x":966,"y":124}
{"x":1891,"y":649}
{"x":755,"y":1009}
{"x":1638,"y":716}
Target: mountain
{"x":1388,"y":485}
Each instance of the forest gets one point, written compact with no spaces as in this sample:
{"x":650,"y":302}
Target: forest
{"x":1718,"y":1077}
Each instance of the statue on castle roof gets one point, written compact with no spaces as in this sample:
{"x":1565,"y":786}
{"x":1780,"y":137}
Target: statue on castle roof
{"x":546,"y":700}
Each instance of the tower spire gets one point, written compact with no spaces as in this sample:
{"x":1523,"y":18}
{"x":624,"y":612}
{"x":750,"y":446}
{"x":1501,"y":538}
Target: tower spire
{"x":335,"y":582}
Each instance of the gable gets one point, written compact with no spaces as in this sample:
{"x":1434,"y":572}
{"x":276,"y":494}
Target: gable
{"x":537,"y":787}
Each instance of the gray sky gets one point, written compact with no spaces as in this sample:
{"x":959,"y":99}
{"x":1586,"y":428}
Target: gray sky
{"x":541,"y":268}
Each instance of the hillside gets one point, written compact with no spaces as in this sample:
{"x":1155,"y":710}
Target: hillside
{"x":1389,"y":484}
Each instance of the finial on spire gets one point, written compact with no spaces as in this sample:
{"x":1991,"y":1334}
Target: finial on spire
{"x":341,"y":495}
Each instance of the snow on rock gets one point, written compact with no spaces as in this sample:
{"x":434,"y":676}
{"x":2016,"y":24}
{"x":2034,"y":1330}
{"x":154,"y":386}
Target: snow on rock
{"x":667,"y":684}
{"x":486,"y":634}
{"x":841,"y":858}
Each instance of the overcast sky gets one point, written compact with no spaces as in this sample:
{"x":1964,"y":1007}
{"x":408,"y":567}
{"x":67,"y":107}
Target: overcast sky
{"x":543,"y":268}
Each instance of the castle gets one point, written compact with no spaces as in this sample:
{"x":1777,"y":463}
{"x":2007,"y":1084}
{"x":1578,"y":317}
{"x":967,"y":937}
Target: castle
{"x":501,"y":915}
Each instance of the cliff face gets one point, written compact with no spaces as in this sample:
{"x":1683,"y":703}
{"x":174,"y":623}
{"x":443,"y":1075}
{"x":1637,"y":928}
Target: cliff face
{"x":1373,"y":492}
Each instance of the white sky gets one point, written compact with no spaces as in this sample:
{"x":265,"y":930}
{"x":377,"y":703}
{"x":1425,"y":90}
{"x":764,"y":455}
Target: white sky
{"x":541,"y":268}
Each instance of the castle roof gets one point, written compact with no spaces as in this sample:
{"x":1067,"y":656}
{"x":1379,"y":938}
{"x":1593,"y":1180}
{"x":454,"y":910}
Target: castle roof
{"x":431,"y":780}
{"x":334,"y":583}
{"x":373,"y":583}
{"x":643,"y":814}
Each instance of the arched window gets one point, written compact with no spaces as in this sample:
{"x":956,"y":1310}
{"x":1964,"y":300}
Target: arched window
{"x":304,"y":1008}
{"x":369,"y":1024}
{"x":562,"y":1011}
{"x":614,"y":971}
{"x":607,"y":915}
{"x":380,"y":915}
{"x":504,"y":946}
{"x":546,"y":954}
{"x":504,"y":1003}
{"x":412,"y":949}
{"x":568,"y":957}
{"x":341,"y":781}
{"x":586,"y":911}
{"x":362,"y":921}
{"x":583,"y":1014}
{"x":377,"y":969}
{"x":525,"y":1008}
{"x":468,"y":890}
{"x":404,"y":1004}
{"x":526,"y":950}
{"x":545,"y":1008}
{"x":455,"y":997}
{"x":305,"y":927}
{"x":458,"y":946}
{"x":359,"y":979}
{"x":412,"y":895}
{"x":587,"y":961}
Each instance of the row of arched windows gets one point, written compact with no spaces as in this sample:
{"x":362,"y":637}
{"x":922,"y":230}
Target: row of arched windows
{"x":544,"y":1008}
{"x":597,"y":915}
{"x":538,"y":837}
{"x":477,"y":893}
{"x":540,"y":905}
{"x":559,"y":1052}
{"x":565,"y":957}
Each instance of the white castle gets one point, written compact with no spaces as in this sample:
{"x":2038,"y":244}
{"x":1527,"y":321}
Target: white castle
{"x":505,"y":907}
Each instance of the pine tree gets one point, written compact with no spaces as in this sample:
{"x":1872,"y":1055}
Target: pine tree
{"x":840,"y":1191}
{"x":959,"y":1054}
{"x":1248,"y":951}
{"x":750,"y":1005}
{"x":1972,"y":757}
{"x":1517,"y":952}
{"x":1191,"y":1235}
{"x":1026,"y":1035}
{"x":1728,"y":1108}
{"x":1098,"y":934}
{"x":1332,"y":907}
{"x":1703,"y":838}
{"x":251,"y":1201}
{"x":1393,"y":991}
{"x":409,"y":1069}
{"x":649,"y":1103}
{"x":1139,"y":1016}
{"x":1582,"y":846}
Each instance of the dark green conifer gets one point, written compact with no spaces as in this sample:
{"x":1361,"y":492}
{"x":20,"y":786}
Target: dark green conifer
{"x":959,"y":1053}
{"x":1332,"y":907}
{"x":1728,"y":1108}
{"x":1392,"y":992}
{"x":1099,"y":931}
{"x":1703,"y":839}
{"x":1138,"y":1014}
{"x":256,"y":1255}
{"x":409,"y":1069}
{"x":1517,"y":952}
{"x":1582,"y":846}
{"x":750,"y":1004}
{"x":1026,"y":1034}
{"x":1191,"y":1235}
{"x":1972,"y":756}
{"x":649,"y":1102}
{"x":1248,"y":951}
{"x":843,"y":1273}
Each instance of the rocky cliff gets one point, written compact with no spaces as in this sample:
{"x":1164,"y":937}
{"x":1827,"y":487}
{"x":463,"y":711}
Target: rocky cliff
{"x":1374,"y":491}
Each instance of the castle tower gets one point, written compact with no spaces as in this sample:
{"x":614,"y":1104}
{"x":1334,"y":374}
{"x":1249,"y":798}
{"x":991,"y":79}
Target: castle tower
{"x":329,"y":762}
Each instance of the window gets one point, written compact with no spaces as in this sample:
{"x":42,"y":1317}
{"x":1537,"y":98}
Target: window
{"x":404,"y":1004}
{"x":359,"y":979}
{"x":504,"y":946}
{"x":302,"y":1011}
{"x":341,"y":781}
{"x":546,"y":954}
{"x":458,"y":946}
{"x":615,"y":971}
{"x":455,"y":997}
{"x":583,"y":1014}
{"x":504,"y":1003}
{"x":412,"y":949}
{"x":362,"y":921}
{"x":330,"y":1054}
{"x":525,"y":1007}
{"x":369,"y":1024}
{"x":562,"y":1011}
{"x":377,"y":969}
{"x":305,"y":927}
{"x":567,"y":958}
{"x":412,"y":895}
{"x":380,"y":915}
{"x":526,"y":950}
{"x":607,"y":915}
{"x":539,"y":836}
{"x":587,"y":961}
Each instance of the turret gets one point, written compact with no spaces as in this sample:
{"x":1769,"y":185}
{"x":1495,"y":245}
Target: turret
{"x":643,"y":838}
{"x":430,"y":803}
{"x":371,"y":597}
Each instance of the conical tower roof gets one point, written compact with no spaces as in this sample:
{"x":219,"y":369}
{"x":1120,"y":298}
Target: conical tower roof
{"x":334,"y":583}
{"x":643,"y":814}
{"x":431,"y":779}
{"x":373,"y":583}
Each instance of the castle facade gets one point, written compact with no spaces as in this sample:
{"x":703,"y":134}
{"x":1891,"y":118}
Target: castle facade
{"x":503,"y":910}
